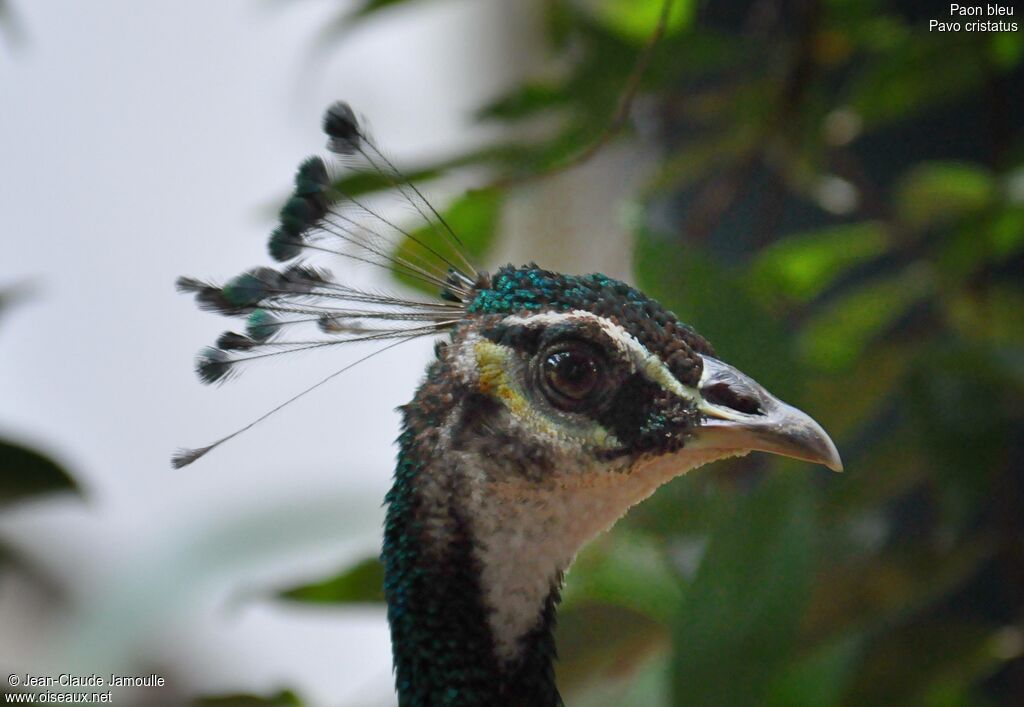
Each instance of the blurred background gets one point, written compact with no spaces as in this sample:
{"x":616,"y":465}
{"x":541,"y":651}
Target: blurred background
{"x":830,"y":192}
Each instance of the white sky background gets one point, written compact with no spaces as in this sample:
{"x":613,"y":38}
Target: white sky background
{"x":140,"y":141}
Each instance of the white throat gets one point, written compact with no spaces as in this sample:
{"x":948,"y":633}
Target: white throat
{"x":527,"y":534}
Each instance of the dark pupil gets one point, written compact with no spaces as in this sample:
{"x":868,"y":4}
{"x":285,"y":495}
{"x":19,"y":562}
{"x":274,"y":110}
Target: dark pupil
{"x":571,"y":373}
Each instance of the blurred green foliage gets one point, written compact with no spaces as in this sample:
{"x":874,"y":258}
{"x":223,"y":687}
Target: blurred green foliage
{"x":839,"y":206}
{"x":360,"y":583}
{"x":26,"y":475}
{"x":474,"y":220}
{"x":285,"y":698}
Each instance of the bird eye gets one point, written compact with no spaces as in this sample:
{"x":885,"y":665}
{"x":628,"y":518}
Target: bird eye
{"x":571,"y":374}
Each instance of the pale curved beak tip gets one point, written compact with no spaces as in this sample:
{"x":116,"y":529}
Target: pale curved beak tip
{"x":803,"y":438}
{"x":833,"y":461}
{"x":776,"y":427}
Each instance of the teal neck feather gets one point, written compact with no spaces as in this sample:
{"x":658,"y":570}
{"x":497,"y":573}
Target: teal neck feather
{"x":444,"y":652}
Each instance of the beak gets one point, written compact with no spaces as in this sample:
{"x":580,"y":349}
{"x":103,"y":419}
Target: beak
{"x":739,"y":414}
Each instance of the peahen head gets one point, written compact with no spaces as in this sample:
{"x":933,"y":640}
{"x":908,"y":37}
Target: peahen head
{"x":554,"y":403}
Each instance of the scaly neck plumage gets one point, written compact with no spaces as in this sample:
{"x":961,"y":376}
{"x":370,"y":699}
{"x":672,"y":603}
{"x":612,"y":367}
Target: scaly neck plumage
{"x":442,"y":642}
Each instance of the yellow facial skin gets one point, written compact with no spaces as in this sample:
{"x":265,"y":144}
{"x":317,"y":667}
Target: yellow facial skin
{"x":494,"y":364}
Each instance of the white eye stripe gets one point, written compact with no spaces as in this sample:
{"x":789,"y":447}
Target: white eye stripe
{"x":652,"y":367}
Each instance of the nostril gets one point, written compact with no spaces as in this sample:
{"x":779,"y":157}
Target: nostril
{"x":727,"y":396}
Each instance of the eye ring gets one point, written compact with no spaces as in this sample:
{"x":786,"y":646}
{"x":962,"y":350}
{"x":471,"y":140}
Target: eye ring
{"x":572,"y":374}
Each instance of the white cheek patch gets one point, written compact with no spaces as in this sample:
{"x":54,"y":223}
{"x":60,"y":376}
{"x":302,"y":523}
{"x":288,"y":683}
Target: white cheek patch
{"x":526,"y":535}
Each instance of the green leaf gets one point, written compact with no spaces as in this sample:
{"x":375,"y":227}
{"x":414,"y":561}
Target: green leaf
{"x":363,"y":582}
{"x":938,"y":192}
{"x":961,"y":405}
{"x":872,"y":381}
{"x":719,"y":304}
{"x":524,"y":101}
{"x":870,"y":592}
{"x":711,"y":152}
{"x":599,"y":641}
{"x":636,"y":20}
{"x":1006,"y":232}
{"x":285,"y":698}
{"x":473,"y":218}
{"x":358,"y":183}
{"x":895,"y":86}
{"x":346,"y":19}
{"x":938,"y":660}
{"x":1006,"y":49}
{"x":837,"y":336}
{"x":25,"y":473}
{"x":818,"y":679}
{"x":979,"y":243}
{"x":740,"y":615}
{"x":683,"y":511}
{"x":373,"y":6}
{"x":887,"y":467}
{"x":646,"y":684}
{"x":802,"y":265}
{"x":994,"y":316}
{"x":628,"y":570}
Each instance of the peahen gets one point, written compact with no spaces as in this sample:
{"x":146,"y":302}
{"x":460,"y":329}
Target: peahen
{"x":554,"y":403}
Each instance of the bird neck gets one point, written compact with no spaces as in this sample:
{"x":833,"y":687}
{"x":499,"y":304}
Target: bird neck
{"x":444,"y":648}
{"x":482,"y":521}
